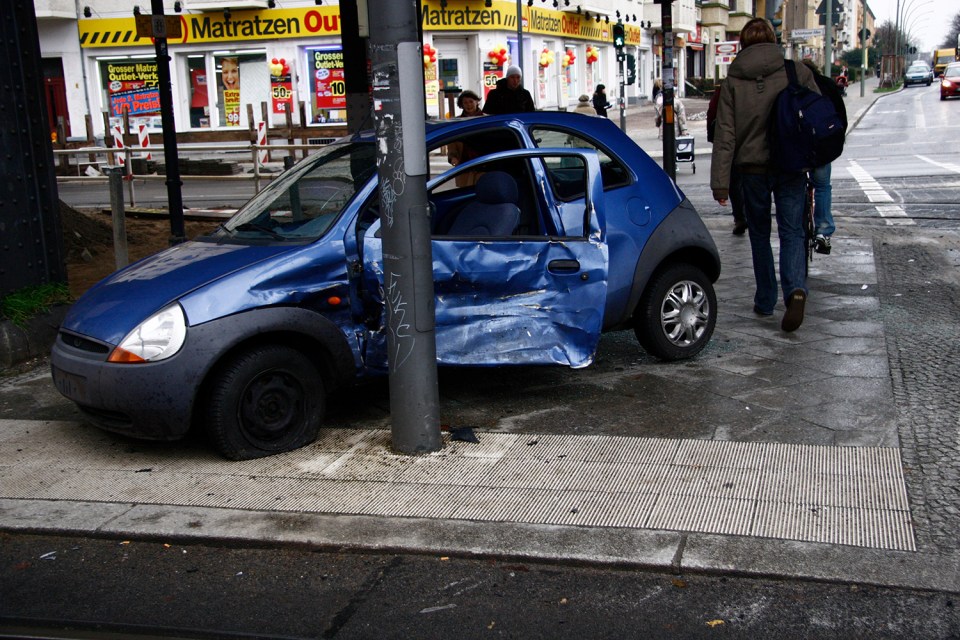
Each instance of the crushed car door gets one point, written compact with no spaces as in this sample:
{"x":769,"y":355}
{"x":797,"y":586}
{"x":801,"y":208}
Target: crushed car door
{"x":501,"y":298}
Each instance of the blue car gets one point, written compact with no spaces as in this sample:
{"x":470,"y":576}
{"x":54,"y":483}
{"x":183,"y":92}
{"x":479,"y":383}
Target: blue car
{"x":550,"y":229}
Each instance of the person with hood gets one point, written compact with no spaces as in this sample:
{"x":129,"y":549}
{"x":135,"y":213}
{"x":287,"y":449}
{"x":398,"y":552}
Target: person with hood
{"x":509,"y":96}
{"x":755,"y":78}
{"x":600,"y":102}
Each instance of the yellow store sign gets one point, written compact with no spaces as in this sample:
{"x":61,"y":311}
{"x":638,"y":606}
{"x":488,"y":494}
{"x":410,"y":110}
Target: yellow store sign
{"x":306,"y":22}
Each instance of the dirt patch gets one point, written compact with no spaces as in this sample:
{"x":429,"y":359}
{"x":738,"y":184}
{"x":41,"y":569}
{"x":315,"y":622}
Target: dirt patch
{"x":88,"y":242}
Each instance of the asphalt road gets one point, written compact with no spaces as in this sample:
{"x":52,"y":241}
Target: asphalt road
{"x":131,"y":589}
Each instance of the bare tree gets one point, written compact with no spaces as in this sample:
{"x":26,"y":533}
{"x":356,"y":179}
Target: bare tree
{"x":952,"y":34}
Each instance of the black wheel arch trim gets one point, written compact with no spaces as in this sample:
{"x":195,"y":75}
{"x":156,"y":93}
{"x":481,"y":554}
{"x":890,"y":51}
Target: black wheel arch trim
{"x":298,"y":327}
{"x":680,"y":237}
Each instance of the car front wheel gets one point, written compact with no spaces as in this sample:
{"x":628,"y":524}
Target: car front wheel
{"x":677,"y":313}
{"x":266,"y":400}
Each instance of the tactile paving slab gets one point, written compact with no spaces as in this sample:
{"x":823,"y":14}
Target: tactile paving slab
{"x":840,"y":495}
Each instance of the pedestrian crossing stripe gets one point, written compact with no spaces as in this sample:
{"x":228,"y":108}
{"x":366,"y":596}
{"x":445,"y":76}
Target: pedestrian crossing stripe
{"x":893,"y":214}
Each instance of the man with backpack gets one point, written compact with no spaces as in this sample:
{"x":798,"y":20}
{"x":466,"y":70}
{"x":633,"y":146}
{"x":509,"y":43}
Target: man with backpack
{"x":754,"y":81}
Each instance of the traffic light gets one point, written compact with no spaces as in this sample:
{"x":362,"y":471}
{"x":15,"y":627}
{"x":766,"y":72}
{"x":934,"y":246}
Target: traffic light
{"x":619,"y":39}
{"x":864,"y":37}
{"x":618,"y":36}
{"x":631,"y":68}
{"x":777,"y":24}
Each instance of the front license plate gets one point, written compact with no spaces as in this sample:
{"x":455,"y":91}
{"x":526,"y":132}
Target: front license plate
{"x":70,"y":384}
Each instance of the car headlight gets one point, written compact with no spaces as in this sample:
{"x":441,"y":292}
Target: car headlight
{"x":947,"y":83}
{"x":156,"y":338}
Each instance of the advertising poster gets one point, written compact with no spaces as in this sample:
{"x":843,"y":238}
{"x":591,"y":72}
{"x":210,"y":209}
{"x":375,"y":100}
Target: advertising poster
{"x":133,"y":88}
{"x":230,"y":79}
{"x":491,"y":73}
{"x":431,"y":87}
{"x":329,"y":88}
{"x":281,"y":86}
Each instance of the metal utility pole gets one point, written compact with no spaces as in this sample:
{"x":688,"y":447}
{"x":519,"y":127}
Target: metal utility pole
{"x":398,"y":99}
{"x":170,"y":157}
{"x":619,"y":42}
{"x":669,"y":133}
{"x":523,"y":72}
{"x":863,"y":48}
{"x":828,"y":39}
{"x":353,"y":37}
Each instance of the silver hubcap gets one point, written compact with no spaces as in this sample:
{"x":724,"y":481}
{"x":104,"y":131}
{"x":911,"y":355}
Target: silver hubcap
{"x":684,"y":313}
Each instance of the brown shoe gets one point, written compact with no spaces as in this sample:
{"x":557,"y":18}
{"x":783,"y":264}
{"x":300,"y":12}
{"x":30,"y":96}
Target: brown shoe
{"x":793,"y":318}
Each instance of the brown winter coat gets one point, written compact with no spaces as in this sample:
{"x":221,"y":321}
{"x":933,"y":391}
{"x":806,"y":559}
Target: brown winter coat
{"x":753,"y":82}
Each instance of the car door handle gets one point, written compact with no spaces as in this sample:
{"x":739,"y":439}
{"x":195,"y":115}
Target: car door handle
{"x":564,"y":266}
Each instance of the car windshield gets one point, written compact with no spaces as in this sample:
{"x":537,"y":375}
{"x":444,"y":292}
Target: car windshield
{"x":953,"y":71}
{"x":306,"y":200}
{"x":917,"y":68}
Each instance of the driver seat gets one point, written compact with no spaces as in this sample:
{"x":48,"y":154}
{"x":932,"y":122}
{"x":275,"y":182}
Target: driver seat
{"x":494,"y":212}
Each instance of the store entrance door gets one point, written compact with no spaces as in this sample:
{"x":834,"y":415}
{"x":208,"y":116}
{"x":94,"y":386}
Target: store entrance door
{"x":55,"y":92}
{"x":456,"y":68}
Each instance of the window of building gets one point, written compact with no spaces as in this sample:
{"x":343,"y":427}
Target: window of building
{"x":328,"y":90}
{"x":243,"y":78}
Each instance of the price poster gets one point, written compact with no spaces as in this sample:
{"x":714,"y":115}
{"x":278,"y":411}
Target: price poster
{"x":491,"y":73}
{"x":281,"y":93}
{"x":329,"y":88}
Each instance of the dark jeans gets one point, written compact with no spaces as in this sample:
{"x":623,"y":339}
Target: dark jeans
{"x":788,"y":192}
{"x":822,"y":200}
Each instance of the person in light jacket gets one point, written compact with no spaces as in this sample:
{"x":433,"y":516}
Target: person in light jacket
{"x":755,"y":78}
{"x":584,"y":106}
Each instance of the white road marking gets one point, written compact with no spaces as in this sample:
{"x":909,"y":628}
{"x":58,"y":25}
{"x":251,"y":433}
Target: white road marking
{"x":949,"y":166}
{"x":893,"y":214}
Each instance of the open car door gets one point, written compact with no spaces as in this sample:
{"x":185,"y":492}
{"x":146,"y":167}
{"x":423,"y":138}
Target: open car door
{"x":520,"y":269}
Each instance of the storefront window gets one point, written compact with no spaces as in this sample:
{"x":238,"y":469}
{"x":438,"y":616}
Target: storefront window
{"x":198,"y":91}
{"x":130,"y":86}
{"x":328,"y":91}
{"x":569,"y":89}
{"x":242,"y":78}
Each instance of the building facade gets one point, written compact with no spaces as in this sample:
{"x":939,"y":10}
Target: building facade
{"x":234,"y":60}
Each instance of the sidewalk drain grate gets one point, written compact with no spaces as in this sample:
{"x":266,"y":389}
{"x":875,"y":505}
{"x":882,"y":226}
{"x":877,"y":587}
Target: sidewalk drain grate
{"x":839,"y":495}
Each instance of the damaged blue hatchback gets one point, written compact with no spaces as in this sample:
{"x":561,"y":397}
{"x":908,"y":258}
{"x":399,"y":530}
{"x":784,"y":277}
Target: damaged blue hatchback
{"x":551,"y":229}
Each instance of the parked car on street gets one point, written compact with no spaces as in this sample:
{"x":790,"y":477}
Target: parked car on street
{"x":950,"y":82}
{"x":564,"y":230}
{"x":918,"y":73}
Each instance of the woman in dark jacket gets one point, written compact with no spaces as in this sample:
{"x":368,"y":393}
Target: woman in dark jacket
{"x":600,"y":104}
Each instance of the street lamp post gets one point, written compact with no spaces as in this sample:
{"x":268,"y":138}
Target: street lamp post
{"x":902,"y":8}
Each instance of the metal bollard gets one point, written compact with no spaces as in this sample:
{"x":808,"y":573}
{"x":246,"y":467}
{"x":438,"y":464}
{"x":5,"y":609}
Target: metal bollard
{"x":118,"y":215}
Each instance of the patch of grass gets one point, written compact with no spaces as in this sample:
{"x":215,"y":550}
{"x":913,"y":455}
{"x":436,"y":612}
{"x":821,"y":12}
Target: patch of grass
{"x":887,"y":89}
{"x":20,"y":306}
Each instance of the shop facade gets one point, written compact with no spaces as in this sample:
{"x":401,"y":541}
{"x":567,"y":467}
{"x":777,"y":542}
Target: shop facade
{"x":285,"y":64}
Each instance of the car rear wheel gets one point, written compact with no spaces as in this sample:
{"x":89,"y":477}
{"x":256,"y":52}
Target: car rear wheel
{"x":677,"y":313}
{"x":263,"y":401}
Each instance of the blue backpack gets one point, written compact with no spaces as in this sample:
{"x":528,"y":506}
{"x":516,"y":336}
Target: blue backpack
{"x":805,"y":130}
